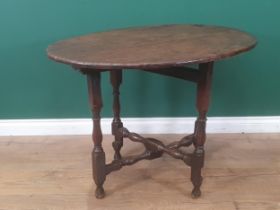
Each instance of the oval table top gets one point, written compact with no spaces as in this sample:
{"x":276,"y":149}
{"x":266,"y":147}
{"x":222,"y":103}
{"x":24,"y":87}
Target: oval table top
{"x":151,"y":47}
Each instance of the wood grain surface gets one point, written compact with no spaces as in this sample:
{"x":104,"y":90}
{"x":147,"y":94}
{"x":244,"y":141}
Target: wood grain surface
{"x":242,"y":172}
{"x":151,"y":47}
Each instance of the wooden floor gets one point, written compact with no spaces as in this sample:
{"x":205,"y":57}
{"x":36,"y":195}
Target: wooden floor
{"x":242,"y":172}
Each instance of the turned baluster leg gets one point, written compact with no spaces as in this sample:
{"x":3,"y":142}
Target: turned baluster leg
{"x":98,"y":155}
{"x":116,"y":80}
{"x":202,"y":103}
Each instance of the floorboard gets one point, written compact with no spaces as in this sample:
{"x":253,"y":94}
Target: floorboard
{"x":242,"y":172}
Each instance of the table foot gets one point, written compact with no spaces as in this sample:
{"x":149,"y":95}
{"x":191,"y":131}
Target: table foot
{"x":196,"y":192}
{"x":99,"y":192}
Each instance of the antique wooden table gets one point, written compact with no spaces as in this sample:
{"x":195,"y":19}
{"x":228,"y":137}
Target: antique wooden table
{"x":165,"y":50}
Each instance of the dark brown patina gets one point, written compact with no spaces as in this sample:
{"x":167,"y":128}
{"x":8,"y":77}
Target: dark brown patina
{"x":152,"y":47}
{"x":164,"y":50}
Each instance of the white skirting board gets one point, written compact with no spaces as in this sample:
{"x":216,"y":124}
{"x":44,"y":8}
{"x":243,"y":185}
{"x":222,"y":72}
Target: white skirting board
{"x":180,"y":125}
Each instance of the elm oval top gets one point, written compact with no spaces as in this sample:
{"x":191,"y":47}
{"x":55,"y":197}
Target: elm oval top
{"x":151,"y":47}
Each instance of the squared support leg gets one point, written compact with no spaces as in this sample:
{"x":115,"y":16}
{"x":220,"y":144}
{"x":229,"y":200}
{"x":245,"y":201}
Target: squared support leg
{"x":202,"y":104}
{"x":98,"y":155}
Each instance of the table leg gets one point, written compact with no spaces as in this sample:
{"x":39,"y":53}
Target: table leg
{"x":202,"y":104}
{"x":116,"y":80}
{"x":98,"y":155}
